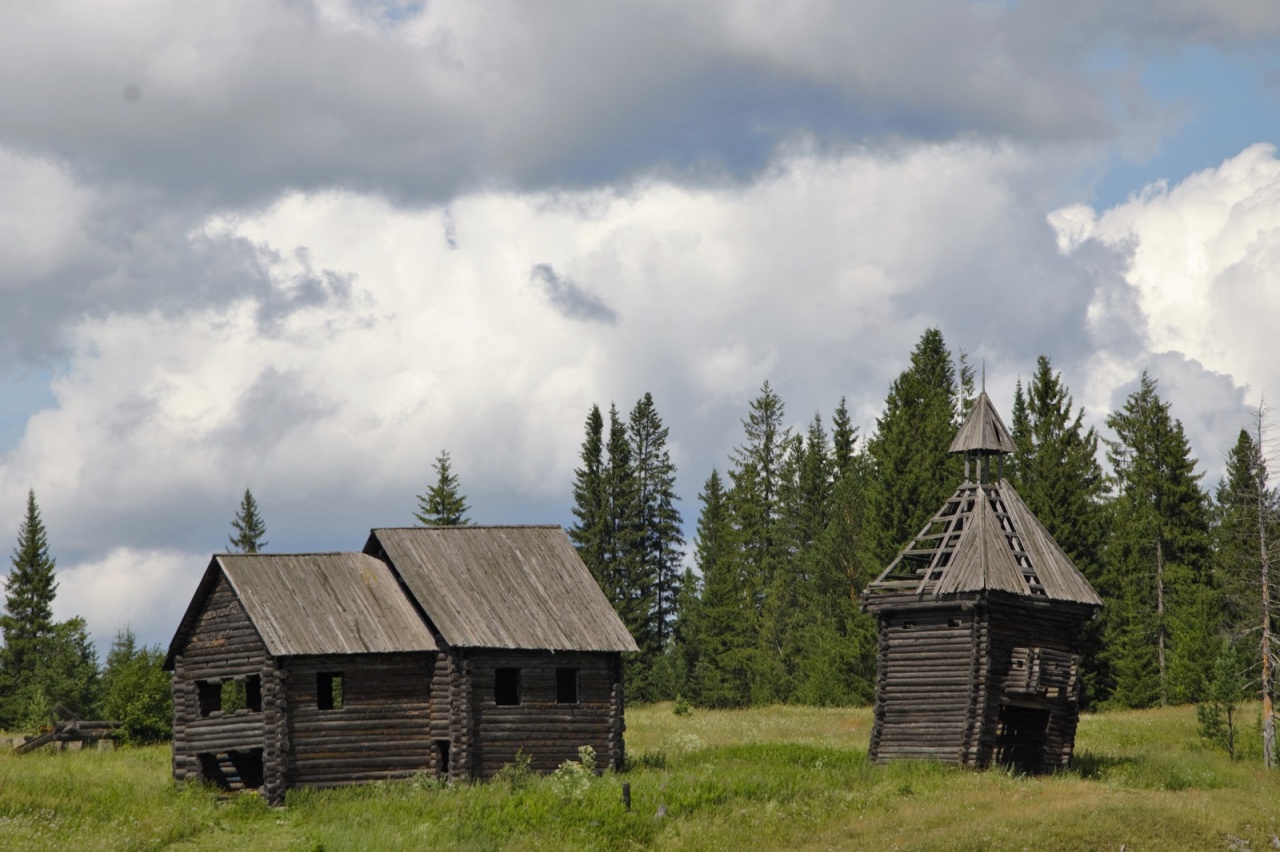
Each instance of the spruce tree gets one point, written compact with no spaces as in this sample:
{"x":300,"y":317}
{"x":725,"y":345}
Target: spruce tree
{"x":1061,"y":480}
{"x":844,"y":440}
{"x":249,"y":527}
{"x":628,"y":579}
{"x":1056,"y":471}
{"x":1247,"y":515}
{"x":29,"y":592}
{"x":805,"y":490}
{"x":757,"y":481}
{"x":912,"y":470}
{"x":1020,"y":432}
{"x":835,"y":641}
{"x":27,"y":622}
{"x":726,"y":636}
{"x":589,"y":532}
{"x":42,"y":663}
{"x":760,"y":466}
{"x":1162,"y":615}
{"x":443,"y":505}
{"x":660,"y":541}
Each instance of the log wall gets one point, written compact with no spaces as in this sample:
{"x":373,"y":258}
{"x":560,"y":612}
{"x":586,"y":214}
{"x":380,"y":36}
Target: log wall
{"x":382,"y":730}
{"x":549,"y":733}
{"x":980,"y":680}
{"x":222,"y":645}
{"x":1047,"y":638}
{"x":927,"y":672}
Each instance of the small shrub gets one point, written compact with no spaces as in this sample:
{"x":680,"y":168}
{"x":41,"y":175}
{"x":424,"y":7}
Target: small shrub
{"x":518,"y":773}
{"x":573,"y":778}
{"x":681,"y":707}
{"x":649,"y":758}
{"x":1217,"y":715}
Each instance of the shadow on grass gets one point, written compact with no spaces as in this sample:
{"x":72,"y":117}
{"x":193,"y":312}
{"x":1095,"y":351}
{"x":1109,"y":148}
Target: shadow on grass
{"x":1090,"y":766}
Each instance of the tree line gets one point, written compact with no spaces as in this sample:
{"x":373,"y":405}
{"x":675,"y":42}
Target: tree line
{"x":44,"y":663}
{"x":764,"y":608}
{"x":800,"y":520}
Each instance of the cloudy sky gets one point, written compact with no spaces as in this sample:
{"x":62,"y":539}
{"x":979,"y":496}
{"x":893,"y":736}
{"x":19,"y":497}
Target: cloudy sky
{"x":302,"y":246}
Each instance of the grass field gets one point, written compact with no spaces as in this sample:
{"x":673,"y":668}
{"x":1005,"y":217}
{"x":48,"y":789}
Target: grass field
{"x":778,"y":777}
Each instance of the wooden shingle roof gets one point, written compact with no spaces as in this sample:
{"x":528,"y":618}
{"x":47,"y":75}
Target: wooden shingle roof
{"x":503,"y":587}
{"x":984,"y":539}
{"x":316,"y":603}
{"x":982,"y":431}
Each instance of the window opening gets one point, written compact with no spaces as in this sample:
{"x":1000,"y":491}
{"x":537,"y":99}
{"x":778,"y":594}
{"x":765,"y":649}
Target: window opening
{"x":329,"y":690}
{"x":566,"y":686}
{"x":253,"y":693}
{"x":506,"y":687}
{"x":232,"y":692}
{"x":232,"y":770}
{"x":210,"y":694}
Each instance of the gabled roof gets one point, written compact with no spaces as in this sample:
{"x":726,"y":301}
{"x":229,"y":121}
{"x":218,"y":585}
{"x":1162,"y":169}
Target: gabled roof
{"x":984,"y":539}
{"x":315,"y":603}
{"x":982,"y":431}
{"x":503,"y":587}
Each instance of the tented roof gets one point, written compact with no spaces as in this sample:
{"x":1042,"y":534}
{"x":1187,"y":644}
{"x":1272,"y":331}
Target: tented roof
{"x":985,"y":539}
{"x":983,"y":431}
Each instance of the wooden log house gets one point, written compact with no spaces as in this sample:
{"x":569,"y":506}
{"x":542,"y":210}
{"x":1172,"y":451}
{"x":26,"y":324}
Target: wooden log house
{"x":437,"y":650}
{"x":981,"y":620}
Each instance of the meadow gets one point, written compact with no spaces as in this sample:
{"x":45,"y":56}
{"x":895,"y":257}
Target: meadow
{"x":777,"y":777}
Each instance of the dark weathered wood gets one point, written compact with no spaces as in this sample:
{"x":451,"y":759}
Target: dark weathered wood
{"x":981,"y":620}
{"x":503,"y":587}
{"x":426,"y":704}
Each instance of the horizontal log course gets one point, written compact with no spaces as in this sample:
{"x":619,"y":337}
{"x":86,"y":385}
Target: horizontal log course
{"x":385,"y":722}
{"x":306,"y":764}
{"x":906,"y":651}
{"x":247,"y":730}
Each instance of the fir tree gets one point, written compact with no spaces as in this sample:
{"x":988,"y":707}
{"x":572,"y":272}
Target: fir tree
{"x":249,"y":527}
{"x":805,"y":490}
{"x":758,"y":474}
{"x":1218,"y":713}
{"x":43,"y":663}
{"x":589,"y":532}
{"x":1056,"y":471}
{"x":29,"y":592}
{"x":628,"y":579}
{"x":725,"y":637}
{"x":1162,"y":614}
{"x":660,"y":541}
{"x":757,"y":480}
{"x":1247,"y":515}
{"x":844,"y":440}
{"x":443,"y":505}
{"x":912,"y":470}
{"x":1020,"y":431}
{"x":835,"y":641}
{"x":1245,"y":512}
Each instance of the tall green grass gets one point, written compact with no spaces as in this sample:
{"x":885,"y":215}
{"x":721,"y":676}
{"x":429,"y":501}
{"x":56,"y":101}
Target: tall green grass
{"x":780,"y":777}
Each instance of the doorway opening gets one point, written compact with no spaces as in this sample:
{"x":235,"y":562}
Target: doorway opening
{"x":1020,"y":738}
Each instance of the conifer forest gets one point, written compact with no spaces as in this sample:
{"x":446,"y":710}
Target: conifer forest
{"x":762,"y":605}
{"x":799,"y":520}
